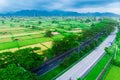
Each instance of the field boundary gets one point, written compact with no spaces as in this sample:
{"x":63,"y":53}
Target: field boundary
{"x":104,"y":70}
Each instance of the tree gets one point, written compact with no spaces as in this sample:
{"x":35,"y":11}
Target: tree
{"x":54,"y":21}
{"x":107,"y":50}
{"x":13,"y":72}
{"x":68,"y":42}
{"x":92,"y":24}
{"x":87,"y":20}
{"x":25,"y":57}
{"x":39,"y":22}
{"x":36,"y":48}
{"x":3,"y":22}
{"x":28,"y":59}
{"x":33,"y":27}
{"x":48,"y":33}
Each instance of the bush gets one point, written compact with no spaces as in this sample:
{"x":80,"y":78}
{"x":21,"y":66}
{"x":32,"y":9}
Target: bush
{"x":14,"y":72}
{"x":36,"y":48}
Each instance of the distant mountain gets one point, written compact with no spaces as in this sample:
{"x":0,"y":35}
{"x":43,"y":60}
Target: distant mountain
{"x":54,"y":13}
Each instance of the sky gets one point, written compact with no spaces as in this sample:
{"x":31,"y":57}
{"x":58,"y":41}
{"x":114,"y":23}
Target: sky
{"x":81,"y":6}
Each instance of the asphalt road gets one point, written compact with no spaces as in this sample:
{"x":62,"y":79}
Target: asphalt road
{"x":85,"y":65}
{"x":49,"y":65}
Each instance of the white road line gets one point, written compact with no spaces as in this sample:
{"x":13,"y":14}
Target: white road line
{"x":84,"y":65}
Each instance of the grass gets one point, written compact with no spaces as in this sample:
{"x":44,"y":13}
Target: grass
{"x":52,"y":73}
{"x":93,"y":74}
{"x":3,"y":40}
{"x":100,"y":65}
{"x":56,"y":72}
{"x":58,"y":37}
{"x":40,"y":51}
{"x":25,"y":40}
{"x":113,"y":74}
{"x":8,"y":45}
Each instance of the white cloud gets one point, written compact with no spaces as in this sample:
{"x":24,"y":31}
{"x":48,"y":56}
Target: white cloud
{"x":69,"y":5}
{"x":14,"y":5}
{"x":113,"y":7}
{"x":3,"y":4}
{"x":59,"y":4}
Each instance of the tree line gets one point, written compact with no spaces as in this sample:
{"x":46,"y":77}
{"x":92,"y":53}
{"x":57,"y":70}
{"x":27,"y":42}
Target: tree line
{"x":18,"y":64}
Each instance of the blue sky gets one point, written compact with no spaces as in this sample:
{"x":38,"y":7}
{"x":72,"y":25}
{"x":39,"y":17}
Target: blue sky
{"x":66,"y":5}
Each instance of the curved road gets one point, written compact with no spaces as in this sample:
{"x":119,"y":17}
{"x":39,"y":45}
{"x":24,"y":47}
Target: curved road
{"x":84,"y":66}
{"x":49,"y":65}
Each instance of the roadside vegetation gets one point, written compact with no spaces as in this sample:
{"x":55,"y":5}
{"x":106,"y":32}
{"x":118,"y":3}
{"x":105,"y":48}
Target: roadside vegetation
{"x":62,"y":35}
{"x":75,"y":57}
{"x":113,"y":70}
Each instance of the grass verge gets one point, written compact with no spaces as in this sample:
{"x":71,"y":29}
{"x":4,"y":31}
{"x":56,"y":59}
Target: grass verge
{"x":93,"y":74}
{"x":57,"y":71}
{"x":113,"y":74}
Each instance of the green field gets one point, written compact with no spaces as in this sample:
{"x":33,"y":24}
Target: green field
{"x":28,"y":42}
{"x":19,"y":32}
{"x":113,"y":74}
{"x":93,"y":74}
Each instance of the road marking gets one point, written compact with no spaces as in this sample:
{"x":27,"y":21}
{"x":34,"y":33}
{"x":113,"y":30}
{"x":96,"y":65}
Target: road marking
{"x":85,"y":65}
